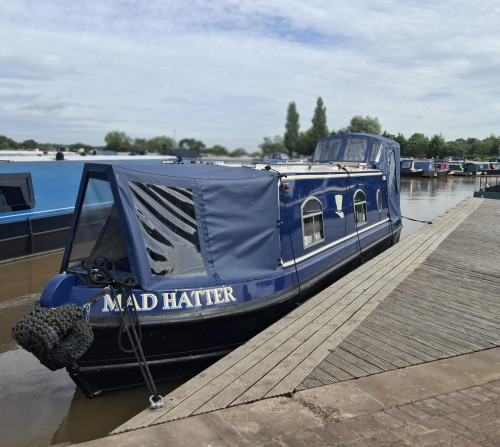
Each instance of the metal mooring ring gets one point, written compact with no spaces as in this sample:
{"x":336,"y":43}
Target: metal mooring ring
{"x":156,"y":404}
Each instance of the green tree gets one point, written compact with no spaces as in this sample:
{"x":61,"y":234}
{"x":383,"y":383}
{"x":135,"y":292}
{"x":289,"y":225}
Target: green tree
{"x":218,"y":150}
{"x":418,"y":145}
{"x":29,"y":144}
{"x":238,"y":153}
{"x":403,"y":143}
{"x":490,"y":147}
{"x":319,"y":128}
{"x":139,"y":145}
{"x":271,"y":145}
{"x":437,"y":147}
{"x":306,"y":142}
{"x":191,"y":143}
{"x":367,"y":124}
{"x":292,"y":129}
{"x":7,"y":143}
{"x":118,"y":141}
{"x":457,"y":148}
{"x":157,"y":144}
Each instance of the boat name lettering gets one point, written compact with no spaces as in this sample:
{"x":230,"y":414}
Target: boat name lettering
{"x":173,"y":300}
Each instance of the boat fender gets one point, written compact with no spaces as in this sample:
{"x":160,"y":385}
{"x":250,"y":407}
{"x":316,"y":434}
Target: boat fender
{"x":56,"y":336}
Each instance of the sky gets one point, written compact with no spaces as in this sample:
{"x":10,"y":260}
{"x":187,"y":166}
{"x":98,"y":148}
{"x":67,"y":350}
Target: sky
{"x":225,"y":71}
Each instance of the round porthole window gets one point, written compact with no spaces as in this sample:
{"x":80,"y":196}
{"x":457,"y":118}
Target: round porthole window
{"x":379,"y":200}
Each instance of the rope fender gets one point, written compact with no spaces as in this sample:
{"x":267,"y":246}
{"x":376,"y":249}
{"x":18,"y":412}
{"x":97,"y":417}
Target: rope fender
{"x":57,"y":336}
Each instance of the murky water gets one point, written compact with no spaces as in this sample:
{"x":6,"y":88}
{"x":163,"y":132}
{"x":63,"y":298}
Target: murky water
{"x":40,"y":407}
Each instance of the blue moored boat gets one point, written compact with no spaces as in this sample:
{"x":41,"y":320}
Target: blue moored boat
{"x":37,"y":199}
{"x":203,"y":257}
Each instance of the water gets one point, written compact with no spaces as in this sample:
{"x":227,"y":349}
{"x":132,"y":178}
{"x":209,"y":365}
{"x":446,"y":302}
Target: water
{"x":425,"y":199}
{"x":41,"y":407}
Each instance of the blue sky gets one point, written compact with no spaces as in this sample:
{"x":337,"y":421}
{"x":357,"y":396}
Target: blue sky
{"x":225,"y":71}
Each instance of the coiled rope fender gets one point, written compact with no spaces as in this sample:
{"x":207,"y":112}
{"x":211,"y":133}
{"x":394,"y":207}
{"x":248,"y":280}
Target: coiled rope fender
{"x":57,"y":336}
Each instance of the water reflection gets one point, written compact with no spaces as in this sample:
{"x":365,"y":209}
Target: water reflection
{"x":424,"y":199}
{"x":57,"y":412}
{"x":94,"y":418}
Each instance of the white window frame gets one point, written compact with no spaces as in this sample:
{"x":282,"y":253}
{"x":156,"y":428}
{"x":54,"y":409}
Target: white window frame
{"x":379,"y":200}
{"x":318,"y":214}
{"x":363,"y":206}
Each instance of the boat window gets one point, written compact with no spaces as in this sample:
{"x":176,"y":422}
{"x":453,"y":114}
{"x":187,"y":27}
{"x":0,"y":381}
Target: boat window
{"x":406,"y":164}
{"x":391,"y":169}
{"x":376,"y":152}
{"x":169,"y":228}
{"x":98,"y":234}
{"x":328,"y":150}
{"x":379,"y":200}
{"x":355,"y":149}
{"x":312,"y":222}
{"x":16,"y":192}
{"x":360,"y":207}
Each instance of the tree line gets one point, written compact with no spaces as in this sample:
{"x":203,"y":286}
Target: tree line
{"x":418,"y":145}
{"x":117,"y":141}
{"x":294,"y":141}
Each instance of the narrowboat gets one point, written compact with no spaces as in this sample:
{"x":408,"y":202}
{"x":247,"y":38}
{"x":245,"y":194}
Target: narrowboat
{"x":428,"y":167}
{"x":442,"y":168}
{"x":197,"y":259}
{"x":37,"y":199}
{"x":408,"y":168}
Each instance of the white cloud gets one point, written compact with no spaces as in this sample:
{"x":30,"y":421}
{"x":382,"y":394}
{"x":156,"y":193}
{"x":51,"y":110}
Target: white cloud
{"x":224,"y":72}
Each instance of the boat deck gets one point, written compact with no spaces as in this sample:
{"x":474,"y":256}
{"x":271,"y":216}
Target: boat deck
{"x":434,"y":295}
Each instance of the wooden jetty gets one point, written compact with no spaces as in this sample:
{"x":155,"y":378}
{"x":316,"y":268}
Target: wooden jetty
{"x":434,"y":295}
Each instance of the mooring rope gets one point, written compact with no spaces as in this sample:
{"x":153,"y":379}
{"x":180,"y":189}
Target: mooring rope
{"x":101,"y":272}
{"x":416,"y":220}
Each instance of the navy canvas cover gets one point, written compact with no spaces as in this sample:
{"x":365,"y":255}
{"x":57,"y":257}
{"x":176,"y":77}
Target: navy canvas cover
{"x":237,"y":216}
{"x":379,"y":152}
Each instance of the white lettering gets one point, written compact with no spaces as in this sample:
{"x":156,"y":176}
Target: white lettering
{"x":150,"y":301}
{"x":217,"y":296}
{"x":184,"y":299}
{"x":209,"y":298}
{"x":152,"y":297}
{"x":134,"y":302}
{"x":196,"y":295}
{"x":110,"y":303}
{"x":170,"y":301}
{"x":228,"y":294}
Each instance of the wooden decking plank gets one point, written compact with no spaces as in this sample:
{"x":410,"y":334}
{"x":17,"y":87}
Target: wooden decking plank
{"x":415,"y":351}
{"x":449,"y":337}
{"x":460,"y":323}
{"x":336,"y":374}
{"x":460,"y":305}
{"x":423,"y":342}
{"x":481,"y":316}
{"x":386,"y":343}
{"x":339,"y":362}
{"x":310,"y":382}
{"x":451,"y":285}
{"x":461,"y":294}
{"x":375,"y":353}
{"x":360,"y":362}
